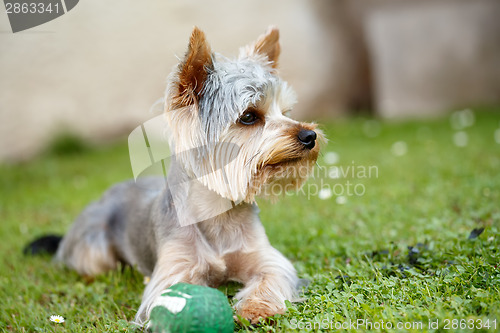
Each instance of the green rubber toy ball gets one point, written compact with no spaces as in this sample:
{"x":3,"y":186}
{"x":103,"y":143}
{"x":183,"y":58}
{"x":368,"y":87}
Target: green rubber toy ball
{"x":188,"y":308}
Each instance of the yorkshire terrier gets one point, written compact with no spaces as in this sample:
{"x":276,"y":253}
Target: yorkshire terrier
{"x":232,"y":140}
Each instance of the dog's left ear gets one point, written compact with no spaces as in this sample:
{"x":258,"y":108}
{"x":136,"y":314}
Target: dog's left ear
{"x":267,"y":45}
{"x":193,"y":69}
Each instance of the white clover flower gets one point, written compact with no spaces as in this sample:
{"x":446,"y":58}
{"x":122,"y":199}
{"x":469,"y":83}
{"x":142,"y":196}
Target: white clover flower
{"x":462,"y":119}
{"x":331,"y":157}
{"x":341,"y":200}
{"x":399,"y":148}
{"x":334,"y":172}
{"x":325,"y":193}
{"x":460,"y":139}
{"x":497,"y":136}
{"x":57,"y":319}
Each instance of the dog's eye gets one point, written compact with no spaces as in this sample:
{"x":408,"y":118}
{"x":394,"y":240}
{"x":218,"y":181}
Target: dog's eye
{"x":248,"y":118}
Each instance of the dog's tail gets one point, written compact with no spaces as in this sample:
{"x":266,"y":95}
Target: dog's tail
{"x":47,"y":244}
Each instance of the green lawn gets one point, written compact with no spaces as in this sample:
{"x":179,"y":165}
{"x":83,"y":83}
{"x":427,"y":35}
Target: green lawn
{"x":397,"y":254}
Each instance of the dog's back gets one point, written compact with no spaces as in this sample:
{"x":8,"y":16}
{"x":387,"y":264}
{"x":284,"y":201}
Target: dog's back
{"x":99,"y":237}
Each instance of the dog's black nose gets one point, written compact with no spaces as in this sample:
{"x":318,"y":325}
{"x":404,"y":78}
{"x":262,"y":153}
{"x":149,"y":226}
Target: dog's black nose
{"x":307,"y":138}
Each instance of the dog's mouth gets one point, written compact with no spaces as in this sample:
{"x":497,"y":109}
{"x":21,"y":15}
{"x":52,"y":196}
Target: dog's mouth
{"x":295,"y":155}
{"x":285,"y":170}
{"x":302,"y":157}
{"x":291,"y":167}
{"x":287,"y":161}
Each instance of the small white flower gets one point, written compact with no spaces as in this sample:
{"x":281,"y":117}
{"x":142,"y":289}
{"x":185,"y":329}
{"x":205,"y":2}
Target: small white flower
{"x":341,"y":200}
{"x":497,"y":136}
{"x":57,"y":319}
{"x":399,"y":148}
{"x":460,"y":139}
{"x":325,"y":193}
{"x":331,"y":157}
{"x":334,"y":172}
{"x":462,"y":119}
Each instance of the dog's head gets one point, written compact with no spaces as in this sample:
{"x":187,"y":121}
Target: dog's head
{"x":229,"y":121}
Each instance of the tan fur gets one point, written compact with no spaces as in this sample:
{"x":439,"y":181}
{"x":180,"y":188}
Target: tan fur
{"x":267,"y":45}
{"x":192,"y":71}
{"x":91,"y":261}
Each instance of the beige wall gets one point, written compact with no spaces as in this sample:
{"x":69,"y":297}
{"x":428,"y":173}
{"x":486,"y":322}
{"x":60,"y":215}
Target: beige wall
{"x":98,"y":69}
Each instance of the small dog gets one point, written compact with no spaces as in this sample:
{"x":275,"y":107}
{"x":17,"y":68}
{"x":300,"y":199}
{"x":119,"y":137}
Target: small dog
{"x":232,"y":141}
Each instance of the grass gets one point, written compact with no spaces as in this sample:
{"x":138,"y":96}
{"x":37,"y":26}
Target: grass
{"x":409,"y":251}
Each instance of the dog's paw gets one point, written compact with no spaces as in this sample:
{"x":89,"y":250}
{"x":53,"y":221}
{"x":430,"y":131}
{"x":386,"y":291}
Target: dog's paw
{"x":253,"y":311}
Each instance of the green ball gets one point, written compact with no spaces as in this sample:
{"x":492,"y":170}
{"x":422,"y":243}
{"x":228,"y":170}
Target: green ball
{"x":186,"y":308}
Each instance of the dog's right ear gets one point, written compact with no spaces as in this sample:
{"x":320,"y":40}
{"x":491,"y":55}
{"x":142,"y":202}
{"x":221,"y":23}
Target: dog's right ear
{"x":193,"y":70}
{"x":267,"y":45}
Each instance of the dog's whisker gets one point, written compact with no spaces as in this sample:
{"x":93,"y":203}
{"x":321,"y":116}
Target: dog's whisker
{"x":247,"y":164}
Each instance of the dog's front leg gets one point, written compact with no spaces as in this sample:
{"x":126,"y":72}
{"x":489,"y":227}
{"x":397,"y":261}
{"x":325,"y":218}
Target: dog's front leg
{"x":176,"y":263}
{"x":269,"y":280}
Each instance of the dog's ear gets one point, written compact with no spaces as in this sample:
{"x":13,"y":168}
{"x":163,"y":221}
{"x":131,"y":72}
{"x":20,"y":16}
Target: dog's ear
{"x":267,"y":45}
{"x":193,"y":69}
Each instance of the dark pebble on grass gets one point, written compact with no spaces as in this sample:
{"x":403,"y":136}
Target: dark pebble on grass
{"x":475,"y":233}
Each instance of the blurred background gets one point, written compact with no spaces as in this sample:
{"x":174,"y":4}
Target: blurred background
{"x":97,"y":70}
